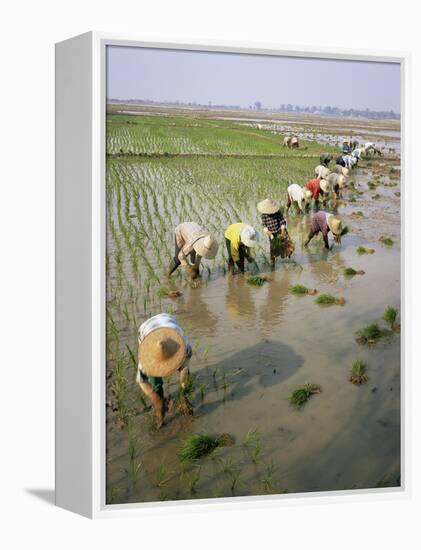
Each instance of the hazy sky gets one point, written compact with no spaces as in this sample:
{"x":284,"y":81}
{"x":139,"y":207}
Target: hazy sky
{"x":239,"y":79}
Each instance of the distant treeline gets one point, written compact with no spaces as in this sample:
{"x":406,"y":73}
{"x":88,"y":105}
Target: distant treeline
{"x":288,"y":108}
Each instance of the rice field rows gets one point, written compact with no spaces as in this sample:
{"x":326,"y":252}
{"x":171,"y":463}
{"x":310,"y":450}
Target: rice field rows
{"x":175,"y":135}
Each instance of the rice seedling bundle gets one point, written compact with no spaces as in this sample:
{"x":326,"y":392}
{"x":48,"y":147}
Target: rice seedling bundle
{"x":389,"y":316}
{"x":301,"y":290}
{"x":199,"y":445}
{"x":370,"y":334}
{"x":301,"y":395}
{"x":257,"y":280}
{"x":386,"y":240}
{"x":358,"y":373}
{"x":350,"y":271}
{"x":329,"y":299}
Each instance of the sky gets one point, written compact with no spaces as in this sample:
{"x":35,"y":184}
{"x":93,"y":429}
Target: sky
{"x":242,"y":79}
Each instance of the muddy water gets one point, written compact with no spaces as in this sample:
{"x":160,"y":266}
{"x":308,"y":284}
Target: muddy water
{"x":254,"y":345}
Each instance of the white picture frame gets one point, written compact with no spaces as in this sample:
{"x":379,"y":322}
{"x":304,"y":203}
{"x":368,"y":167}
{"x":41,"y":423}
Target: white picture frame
{"x":80,"y":276}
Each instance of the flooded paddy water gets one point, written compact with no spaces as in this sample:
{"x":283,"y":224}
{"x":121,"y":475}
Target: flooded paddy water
{"x":252,"y":346}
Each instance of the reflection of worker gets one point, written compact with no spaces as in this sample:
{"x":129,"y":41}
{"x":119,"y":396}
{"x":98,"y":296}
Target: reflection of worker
{"x":323,"y":222}
{"x":163,"y":349}
{"x":275,"y":227}
{"x":239,"y":239}
{"x":192,"y":240}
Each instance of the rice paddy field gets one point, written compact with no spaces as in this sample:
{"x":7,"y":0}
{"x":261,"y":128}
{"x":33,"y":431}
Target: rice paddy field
{"x":271,"y":367}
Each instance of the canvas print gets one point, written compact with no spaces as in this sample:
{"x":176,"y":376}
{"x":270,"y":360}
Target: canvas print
{"x":252,"y":275}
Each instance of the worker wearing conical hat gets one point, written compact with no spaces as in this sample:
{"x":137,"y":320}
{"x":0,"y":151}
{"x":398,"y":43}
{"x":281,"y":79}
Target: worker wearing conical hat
{"x":324,"y":222}
{"x":163,"y":349}
{"x":194,"y":242}
{"x":275,"y":227}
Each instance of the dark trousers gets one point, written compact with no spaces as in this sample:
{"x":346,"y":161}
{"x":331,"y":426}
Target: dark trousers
{"x":242,"y":252}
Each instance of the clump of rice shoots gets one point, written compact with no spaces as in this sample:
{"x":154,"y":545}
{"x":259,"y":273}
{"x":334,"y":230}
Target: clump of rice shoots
{"x":257,"y":280}
{"x":300,"y":396}
{"x":199,"y":445}
{"x":372,"y":185}
{"x":386,"y":240}
{"x":329,"y":299}
{"x":162,"y":291}
{"x":301,"y":290}
{"x":358,"y":373}
{"x":376,"y":196}
{"x":390,"y":315}
{"x":363,"y":250}
{"x":352,"y":198}
{"x":358,"y":214}
{"x":350,"y":271}
{"x":370,"y":334}
{"x":397,"y":193}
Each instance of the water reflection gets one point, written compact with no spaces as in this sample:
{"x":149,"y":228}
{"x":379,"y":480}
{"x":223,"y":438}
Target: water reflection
{"x":239,"y":299}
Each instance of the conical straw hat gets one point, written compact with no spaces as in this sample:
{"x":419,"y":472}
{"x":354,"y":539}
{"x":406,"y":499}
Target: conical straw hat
{"x":206,"y":247}
{"x":268,"y":206}
{"x":335,"y":225}
{"x":162,"y":352}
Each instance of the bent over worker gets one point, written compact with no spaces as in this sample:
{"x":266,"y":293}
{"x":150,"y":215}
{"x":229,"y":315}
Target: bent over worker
{"x":239,"y":239}
{"x":275,"y":227}
{"x":324,"y":222}
{"x":192,"y":240}
{"x":163,"y":349}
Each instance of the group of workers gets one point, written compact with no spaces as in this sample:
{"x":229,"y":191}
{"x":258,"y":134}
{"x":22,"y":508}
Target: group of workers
{"x":163,"y":347}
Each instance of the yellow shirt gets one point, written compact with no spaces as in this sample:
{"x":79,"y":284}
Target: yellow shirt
{"x":232,"y":233}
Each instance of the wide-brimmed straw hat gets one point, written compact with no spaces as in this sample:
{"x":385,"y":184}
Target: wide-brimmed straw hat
{"x":206,"y":247}
{"x":335,"y":225}
{"x":162,"y":352}
{"x":249,"y":236}
{"x":268,"y":206}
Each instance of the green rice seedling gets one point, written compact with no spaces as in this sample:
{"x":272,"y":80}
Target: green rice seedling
{"x":386,"y":240}
{"x":253,"y":446}
{"x":372,"y":185}
{"x":363,"y":250}
{"x":268,"y":478}
{"x":193,"y":478}
{"x":397,"y":193}
{"x":352,"y":198}
{"x":112,"y":494}
{"x":205,"y":354}
{"x":162,"y":475}
{"x":301,"y":395}
{"x":299,"y":290}
{"x":358,"y":373}
{"x":390,"y":315}
{"x":358,"y":214}
{"x":257,"y":280}
{"x":202,"y":388}
{"x":197,"y":446}
{"x":162,"y":291}
{"x":350,"y":272}
{"x":132,"y":357}
{"x":329,"y":299}
{"x":376,"y":196}
{"x":370,"y":334}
